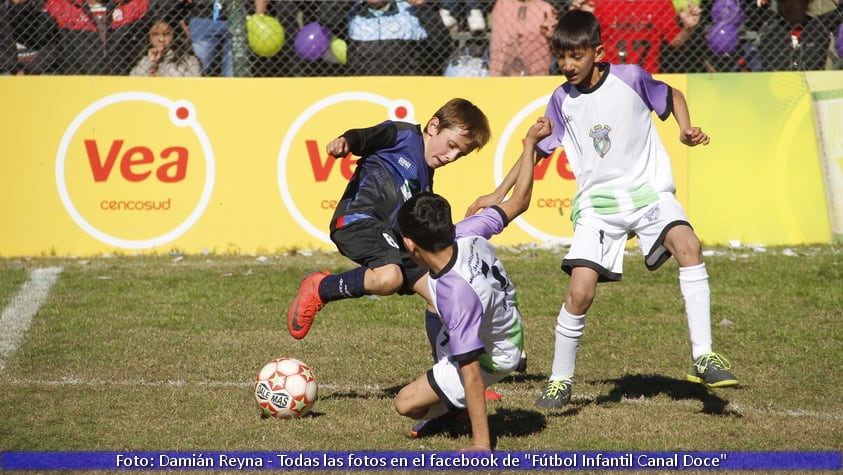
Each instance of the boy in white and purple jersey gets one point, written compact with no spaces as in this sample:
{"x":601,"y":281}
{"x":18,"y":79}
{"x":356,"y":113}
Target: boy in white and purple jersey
{"x":481,"y":339}
{"x":603,"y":116}
{"x":610,"y":139}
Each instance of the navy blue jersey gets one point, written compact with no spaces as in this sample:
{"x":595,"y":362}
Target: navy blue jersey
{"x":391,"y":170}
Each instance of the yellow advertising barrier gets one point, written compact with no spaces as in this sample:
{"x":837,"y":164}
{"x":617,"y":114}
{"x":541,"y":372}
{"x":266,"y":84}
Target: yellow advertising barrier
{"x":827,"y":94}
{"x":95,"y":165}
{"x":759,"y":180}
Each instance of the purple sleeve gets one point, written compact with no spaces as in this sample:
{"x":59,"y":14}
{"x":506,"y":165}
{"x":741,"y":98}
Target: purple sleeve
{"x":462,"y":313}
{"x":486,"y":223}
{"x":554,"y":112}
{"x":656,"y":94}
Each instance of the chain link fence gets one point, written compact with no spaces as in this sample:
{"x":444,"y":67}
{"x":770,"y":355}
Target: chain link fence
{"x":295,"y":38}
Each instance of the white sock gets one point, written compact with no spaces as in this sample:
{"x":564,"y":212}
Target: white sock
{"x":693,"y":283}
{"x":569,"y":329}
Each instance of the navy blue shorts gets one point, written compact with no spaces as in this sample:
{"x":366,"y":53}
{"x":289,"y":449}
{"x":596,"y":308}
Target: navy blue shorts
{"x":361,"y":227}
{"x":373,"y":243}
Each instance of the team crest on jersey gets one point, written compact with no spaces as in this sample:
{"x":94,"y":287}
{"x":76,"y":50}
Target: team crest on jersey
{"x":600,"y":135}
{"x":406,"y":191}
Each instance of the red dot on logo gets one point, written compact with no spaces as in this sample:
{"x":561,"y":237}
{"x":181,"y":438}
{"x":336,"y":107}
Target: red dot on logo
{"x":400,"y":112}
{"x":182,"y":113}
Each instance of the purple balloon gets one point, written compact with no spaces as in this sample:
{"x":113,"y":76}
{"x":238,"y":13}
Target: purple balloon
{"x":838,"y":41}
{"x":727,"y":11}
{"x":312,"y":41}
{"x":722,"y":38}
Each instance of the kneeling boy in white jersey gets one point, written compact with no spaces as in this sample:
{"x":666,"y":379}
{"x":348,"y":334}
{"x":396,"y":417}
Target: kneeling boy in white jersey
{"x":481,"y":339}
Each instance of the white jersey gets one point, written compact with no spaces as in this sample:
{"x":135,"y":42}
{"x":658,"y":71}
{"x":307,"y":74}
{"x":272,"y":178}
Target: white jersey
{"x":475,"y":298}
{"x":610,"y":139}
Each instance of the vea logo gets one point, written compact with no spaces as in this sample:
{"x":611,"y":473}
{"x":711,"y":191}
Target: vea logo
{"x":548,"y":218}
{"x":135,"y":170}
{"x":311,"y":182}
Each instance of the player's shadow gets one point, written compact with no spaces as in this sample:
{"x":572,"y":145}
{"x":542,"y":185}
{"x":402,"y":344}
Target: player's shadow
{"x":516,"y":422}
{"x":383,"y":393}
{"x":524,"y":378}
{"x":636,"y":386}
{"x":503,"y":422}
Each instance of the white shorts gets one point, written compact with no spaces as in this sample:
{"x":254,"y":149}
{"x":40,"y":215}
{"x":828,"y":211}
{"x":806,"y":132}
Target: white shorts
{"x":446,"y":380}
{"x":600,"y":239}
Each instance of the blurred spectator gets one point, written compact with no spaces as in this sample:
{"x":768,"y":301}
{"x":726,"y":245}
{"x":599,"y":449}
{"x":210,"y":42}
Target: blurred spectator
{"x":211,"y":30}
{"x":634,"y":30}
{"x":451,"y":10}
{"x":791,"y":40}
{"x":686,"y":58}
{"x":174,"y":11}
{"x":169,"y":55}
{"x":470,"y":60}
{"x":747,"y":18}
{"x":27,"y":38}
{"x":520,"y":39}
{"x":208,"y":26}
{"x":97,"y":37}
{"x":387,"y":38}
{"x":436,"y":50}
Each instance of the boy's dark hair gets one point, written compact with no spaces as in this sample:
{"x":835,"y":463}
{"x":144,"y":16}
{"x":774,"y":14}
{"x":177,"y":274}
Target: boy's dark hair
{"x":426,"y":219}
{"x":463,"y":116}
{"x":576,"y":29}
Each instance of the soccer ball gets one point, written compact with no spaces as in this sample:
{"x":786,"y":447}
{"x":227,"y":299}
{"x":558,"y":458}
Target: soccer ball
{"x":285,"y":388}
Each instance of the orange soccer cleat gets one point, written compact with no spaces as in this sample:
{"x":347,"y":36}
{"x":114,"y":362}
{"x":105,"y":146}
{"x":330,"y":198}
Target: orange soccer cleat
{"x":306,"y":305}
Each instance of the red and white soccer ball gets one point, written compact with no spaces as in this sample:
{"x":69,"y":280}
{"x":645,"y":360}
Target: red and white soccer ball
{"x":285,"y":388}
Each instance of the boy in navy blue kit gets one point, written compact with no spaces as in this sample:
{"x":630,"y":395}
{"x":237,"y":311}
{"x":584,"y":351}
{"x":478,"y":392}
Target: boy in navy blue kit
{"x":397,"y":161}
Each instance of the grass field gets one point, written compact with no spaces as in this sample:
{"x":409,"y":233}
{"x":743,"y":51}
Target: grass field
{"x":159,"y":353}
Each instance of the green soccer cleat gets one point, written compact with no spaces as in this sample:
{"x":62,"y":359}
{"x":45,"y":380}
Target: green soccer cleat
{"x":555,"y":395}
{"x":712,"y":370}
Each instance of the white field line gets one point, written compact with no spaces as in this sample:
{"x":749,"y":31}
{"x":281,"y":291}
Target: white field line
{"x":17,"y":316}
{"x":372,"y":388}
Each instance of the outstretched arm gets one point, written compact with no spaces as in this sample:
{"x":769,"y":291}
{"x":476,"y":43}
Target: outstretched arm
{"x":476,"y":404}
{"x":522,"y":193}
{"x":363,"y":142}
{"x":496,"y":196}
{"x":688,"y":135}
{"x":538,"y":131}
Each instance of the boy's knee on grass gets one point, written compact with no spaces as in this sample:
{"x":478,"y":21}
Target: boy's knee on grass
{"x":406,"y":406}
